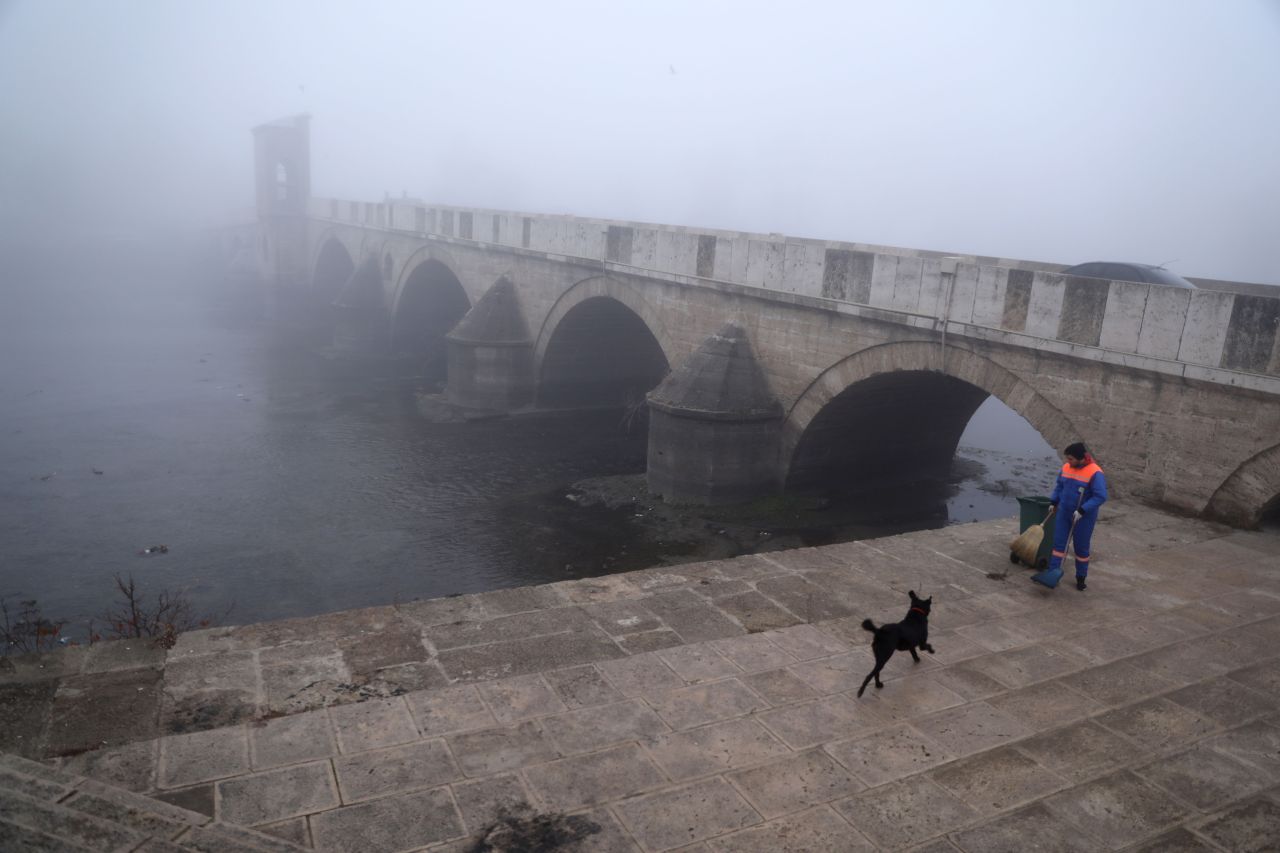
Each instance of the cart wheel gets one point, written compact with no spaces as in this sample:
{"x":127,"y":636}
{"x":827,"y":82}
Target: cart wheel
{"x":1042,"y":563}
{"x":1013,"y":558}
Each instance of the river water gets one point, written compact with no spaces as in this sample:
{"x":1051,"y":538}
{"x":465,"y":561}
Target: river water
{"x":137,"y":412}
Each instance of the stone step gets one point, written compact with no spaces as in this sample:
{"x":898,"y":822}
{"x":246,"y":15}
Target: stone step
{"x":43,"y":809}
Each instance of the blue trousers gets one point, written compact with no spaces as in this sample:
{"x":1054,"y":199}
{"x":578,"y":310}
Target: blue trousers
{"x":1081,"y":538}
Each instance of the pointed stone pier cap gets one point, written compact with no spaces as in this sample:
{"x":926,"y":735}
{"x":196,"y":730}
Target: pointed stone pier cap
{"x":495,"y":320}
{"x":363,"y":289}
{"x":721,"y":380}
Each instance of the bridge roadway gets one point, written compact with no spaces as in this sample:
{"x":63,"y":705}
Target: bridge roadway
{"x":702,"y":707}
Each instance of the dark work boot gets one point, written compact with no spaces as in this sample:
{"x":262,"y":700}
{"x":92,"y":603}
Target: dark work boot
{"x":1080,"y":584}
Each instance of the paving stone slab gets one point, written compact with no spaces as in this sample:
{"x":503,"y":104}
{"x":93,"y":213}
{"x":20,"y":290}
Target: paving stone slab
{"x":713,"y":748}
{"x":1223,"y":701}
{"x":843,"y":672}
{"x":443,"y":611}
{"x":1250,"y":827}
{"x":1176,"y":841}
{"x":302,"y":685}
{"x":520,"y":698}
{"x":692,"y":617}
{"x":24,"y":715}
{"x":699,"y":662}
{"x":779,"y":687}
{"x":998,"y":780}
{"x":132,"y":766}
{"x":795,"y":783}
{"x":450,"y":709}
{"x":67,"y":824}
{"x":1263,"y":677}
{"x":582,"y":686}
{"x":203,"y":757}
{"x":697,"y":704}
{"x":521,"y":657}
{"x":104,"y":709}
{"x":588,"y":780}
{"x":889,"y":754}
{"x":1025,"y":666}
{"x":906,"y":812}
{"x":15,"y":837}
{"x":1203,"y":778}
{"x":756,"y":612}
{"x":1080,"y":751}
{"x":806,"y":642}
{"x":1013,"y":833}
{"x":367,"y":653}
{"x":1118,"y":683}
{"x":277,"y":795}
{"x":687,"y":814}
{"x":1157,"y":724}
{"x":291,"y":740}
{"x":488,"y":751}
{"x":1256,"y":744}
{"x":813,"y":831}
{"x":1045,"y":705}
{"x":373,"y":724}
{"x":295,"y":831}
{"x":649,"y":641}
{"x":910,"y":696}
{"x":589,"y":729}
{"x":485,"y":801}
{"x":503,"y":602}
{"x":1117,"y":810}
{"x":619,"y":618}
{"x":425,"y":764}
{"x":404,"y":822}
{"x":968,"y":681}
{"x":807,"y":724}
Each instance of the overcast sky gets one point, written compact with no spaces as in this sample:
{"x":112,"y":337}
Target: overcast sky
{"x":1055,"y":131}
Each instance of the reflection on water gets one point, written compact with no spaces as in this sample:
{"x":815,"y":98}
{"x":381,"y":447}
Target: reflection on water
{"x":285,"y":486}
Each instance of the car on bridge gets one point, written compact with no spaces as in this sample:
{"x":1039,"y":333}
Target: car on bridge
{"x":1117,"y":271}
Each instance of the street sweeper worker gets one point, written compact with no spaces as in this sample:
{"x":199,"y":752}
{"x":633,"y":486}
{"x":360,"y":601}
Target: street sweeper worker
{"x":1081,"y":488}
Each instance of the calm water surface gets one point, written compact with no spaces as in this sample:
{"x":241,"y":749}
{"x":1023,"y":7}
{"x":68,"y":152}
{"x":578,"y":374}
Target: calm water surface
{"x":284,"y":484}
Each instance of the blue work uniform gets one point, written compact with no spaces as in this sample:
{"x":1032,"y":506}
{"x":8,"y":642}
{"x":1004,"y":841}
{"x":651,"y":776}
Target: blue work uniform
{"x":1083,"y":488}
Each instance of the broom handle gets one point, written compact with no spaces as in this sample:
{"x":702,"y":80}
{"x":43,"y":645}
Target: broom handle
{"x":1075,"y":516}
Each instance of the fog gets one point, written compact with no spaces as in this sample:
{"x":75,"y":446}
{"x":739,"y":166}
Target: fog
{"x":1064,"y":132}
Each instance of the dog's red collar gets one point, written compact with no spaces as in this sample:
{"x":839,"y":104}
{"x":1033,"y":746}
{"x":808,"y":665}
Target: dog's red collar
{"x":921,"y":612}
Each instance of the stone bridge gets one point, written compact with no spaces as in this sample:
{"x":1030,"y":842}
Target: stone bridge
{"x":771,"y":362}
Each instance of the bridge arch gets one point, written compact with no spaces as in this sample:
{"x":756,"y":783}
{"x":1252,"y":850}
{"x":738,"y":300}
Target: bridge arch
{"x":901,"y":407}
{"x":333,"y":265}
{"x":1251,"y":495}
{"x":429,"y":301}
{"x":601,"y":345}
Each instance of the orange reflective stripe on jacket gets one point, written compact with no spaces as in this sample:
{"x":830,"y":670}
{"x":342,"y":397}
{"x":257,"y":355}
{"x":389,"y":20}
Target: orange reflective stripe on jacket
{"x":1082,"y":475}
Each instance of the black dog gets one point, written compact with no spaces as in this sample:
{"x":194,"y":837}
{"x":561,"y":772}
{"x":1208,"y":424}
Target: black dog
{"x":908,"y":635}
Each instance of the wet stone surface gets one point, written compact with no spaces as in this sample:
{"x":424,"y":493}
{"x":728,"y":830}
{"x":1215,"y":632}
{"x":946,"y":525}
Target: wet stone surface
{"x":646,"y":706}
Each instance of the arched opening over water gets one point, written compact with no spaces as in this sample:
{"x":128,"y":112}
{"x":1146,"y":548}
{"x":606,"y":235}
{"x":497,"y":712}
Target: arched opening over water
{"x":431,"y":303}
{"x":333,"y":267}
{"x":601,"y":355}
{"x":1269,"y":517}
{"x":918,"y":448}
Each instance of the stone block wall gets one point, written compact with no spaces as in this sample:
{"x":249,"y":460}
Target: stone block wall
{"x":1213,"y":329}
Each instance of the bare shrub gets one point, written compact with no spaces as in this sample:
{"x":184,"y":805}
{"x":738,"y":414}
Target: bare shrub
{"x":27,"y":630}
{"x":160,"y":620}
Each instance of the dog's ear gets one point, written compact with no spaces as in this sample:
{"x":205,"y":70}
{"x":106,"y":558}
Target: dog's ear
{"x":912,"y":593}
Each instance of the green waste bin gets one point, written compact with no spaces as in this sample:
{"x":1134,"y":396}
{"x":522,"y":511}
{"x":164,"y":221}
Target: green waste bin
{"x":1034,"y":510}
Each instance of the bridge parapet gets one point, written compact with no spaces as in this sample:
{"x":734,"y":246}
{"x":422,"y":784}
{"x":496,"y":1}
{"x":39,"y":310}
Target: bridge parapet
{"x":1167,"y":329}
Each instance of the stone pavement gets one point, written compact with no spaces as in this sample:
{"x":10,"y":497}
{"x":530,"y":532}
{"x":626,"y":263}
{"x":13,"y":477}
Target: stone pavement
{"x":710,"y":707}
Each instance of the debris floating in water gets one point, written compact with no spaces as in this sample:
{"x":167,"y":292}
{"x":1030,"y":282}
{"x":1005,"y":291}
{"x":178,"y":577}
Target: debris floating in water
{"x":155,"y":549}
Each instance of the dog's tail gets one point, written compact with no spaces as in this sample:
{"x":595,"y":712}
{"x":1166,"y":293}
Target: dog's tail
{"x":868,"y":625}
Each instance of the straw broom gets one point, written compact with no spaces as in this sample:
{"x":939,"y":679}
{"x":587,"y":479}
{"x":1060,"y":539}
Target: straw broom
{"x":1027,"y":545}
